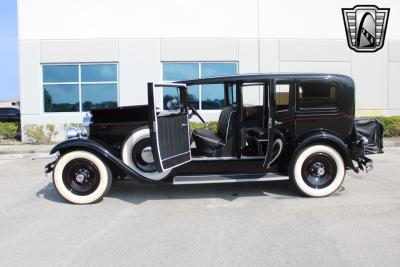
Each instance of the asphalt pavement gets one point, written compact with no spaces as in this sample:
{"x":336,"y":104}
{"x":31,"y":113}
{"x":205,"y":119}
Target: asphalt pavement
{"x":255,"y":224}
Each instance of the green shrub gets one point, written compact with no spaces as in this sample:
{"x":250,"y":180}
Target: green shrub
{"x":39,"y":134}
{"x":9,"y":130}
{"x":34,"y":133}
{"x":209,"y":125}
{"x":391,"y":125}
{"x":51,"y":132}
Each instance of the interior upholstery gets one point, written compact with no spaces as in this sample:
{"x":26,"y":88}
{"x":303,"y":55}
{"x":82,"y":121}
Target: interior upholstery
{"x":211,"y":144}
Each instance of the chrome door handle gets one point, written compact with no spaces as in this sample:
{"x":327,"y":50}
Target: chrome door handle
{"x":278,"y":123}
{"x":184,"y":124}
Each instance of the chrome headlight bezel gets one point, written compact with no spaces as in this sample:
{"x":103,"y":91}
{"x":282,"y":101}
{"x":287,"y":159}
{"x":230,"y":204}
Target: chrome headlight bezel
{"x":73,"y":132}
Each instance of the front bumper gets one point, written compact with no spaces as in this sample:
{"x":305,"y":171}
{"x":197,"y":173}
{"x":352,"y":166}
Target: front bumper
{"x":49,"y":167}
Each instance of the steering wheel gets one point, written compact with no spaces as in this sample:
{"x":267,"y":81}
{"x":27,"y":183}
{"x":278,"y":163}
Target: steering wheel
{"x":194,"y":112}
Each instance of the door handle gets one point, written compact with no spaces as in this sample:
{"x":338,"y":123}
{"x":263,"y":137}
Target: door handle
{"x":184,"y":124}
{"x":278,"y":123}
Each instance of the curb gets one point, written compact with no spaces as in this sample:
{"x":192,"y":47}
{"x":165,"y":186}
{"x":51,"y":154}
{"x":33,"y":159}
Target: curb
{"x":12,"y":156}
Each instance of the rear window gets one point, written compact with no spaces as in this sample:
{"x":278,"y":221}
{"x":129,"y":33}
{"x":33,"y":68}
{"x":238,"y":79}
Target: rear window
{"x":317,"y":94}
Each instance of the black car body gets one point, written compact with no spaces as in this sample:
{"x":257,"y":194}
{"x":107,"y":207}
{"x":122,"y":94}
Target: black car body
{"x":9,"y":114}
{"x":302,"y":129}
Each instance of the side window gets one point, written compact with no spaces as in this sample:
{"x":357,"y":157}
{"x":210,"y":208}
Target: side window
{"x":252,"y":95}
{"x":12,"y":111}
{"x":318,"y":94}
{"x":212,"y":96}
{"x":171,"y":99}
{"x":282,"y":96}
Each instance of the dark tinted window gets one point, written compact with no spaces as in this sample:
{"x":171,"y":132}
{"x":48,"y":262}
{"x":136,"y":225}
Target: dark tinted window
{"x":99,"y":73}
{"x":99,"y":96}
{"x":13,"y":111}
{"x":80,"y":87}
{"x":61,"y":98}
{"x":212,"y":96}
{"x":317,"y":94}
{"x":3,"y":111}
{"x":60,"y":73}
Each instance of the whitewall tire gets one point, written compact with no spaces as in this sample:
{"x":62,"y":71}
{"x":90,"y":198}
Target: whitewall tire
{"x":81,"y":177}
{"x":318,"y":171}
{"x":136,"y":153}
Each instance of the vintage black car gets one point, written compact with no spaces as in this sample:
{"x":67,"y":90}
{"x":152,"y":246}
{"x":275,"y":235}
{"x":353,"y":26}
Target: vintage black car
{"x":301,"y":127}
{"x":10,"y":114}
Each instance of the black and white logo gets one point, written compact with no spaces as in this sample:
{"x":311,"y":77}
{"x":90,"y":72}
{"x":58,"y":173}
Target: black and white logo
{"x":365,"y":27}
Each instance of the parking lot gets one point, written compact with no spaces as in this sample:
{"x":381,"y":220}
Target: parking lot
{"x":256,"y":224}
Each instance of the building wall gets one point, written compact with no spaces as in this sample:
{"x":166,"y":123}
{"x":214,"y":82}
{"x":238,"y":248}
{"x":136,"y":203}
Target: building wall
{"x":261,"y":36}
{"x":9,"y":103}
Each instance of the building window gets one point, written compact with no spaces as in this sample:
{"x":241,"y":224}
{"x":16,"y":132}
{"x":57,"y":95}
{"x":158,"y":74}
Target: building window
{"x":203,"y":97}
{"x":80,"y":87}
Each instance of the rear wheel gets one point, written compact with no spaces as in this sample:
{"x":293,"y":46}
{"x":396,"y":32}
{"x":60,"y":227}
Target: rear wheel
{"x":318,"y":171}
{"x":81,"y":177}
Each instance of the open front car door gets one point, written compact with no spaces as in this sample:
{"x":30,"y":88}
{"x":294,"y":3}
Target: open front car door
{"x":168,"y":123}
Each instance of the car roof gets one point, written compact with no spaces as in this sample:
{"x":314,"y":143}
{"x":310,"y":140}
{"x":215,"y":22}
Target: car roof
{"x":265,"y":76}
{"x":9,"y":107}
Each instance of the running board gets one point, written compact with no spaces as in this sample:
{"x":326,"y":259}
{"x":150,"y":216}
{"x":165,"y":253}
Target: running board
{"x":227,"y":178}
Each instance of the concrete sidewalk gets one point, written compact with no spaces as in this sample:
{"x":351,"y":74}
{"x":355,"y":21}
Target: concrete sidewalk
{"x":25,"y":149}
{"x":29,"y":149}
{"x":391,"y":142}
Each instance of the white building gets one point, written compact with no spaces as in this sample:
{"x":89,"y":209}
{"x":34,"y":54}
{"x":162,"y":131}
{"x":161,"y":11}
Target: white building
{"x":75,"y":55}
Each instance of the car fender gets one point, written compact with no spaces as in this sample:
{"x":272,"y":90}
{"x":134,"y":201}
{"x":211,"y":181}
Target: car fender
{"x":102,"y":151}
{"x":327,"y":138}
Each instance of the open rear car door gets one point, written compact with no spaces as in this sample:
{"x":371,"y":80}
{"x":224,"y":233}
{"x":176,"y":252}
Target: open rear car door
{"x":169,"y":126}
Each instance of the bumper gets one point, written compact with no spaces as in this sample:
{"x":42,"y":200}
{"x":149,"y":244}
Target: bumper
{"x":358,"y":155}
{"x":49,"y":167}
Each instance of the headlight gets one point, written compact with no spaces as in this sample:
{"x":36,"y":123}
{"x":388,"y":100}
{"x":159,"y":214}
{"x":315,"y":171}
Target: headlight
{"x":73,"y":132}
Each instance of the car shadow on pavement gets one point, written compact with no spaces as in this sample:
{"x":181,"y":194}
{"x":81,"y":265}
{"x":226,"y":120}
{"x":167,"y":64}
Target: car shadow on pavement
{"x":49,"y":192}
{"x":130,"y":191}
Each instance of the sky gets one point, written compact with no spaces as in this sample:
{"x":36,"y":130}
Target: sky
{"x":9,"y":88}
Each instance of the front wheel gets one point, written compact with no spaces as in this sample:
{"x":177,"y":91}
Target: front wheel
{"x":81,"y":177}
{"x":318,"y":170}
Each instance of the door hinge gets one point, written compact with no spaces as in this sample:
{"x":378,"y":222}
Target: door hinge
{"x":270,"y":123}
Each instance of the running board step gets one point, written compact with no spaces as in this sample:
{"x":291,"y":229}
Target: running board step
{"x":227,"y":178}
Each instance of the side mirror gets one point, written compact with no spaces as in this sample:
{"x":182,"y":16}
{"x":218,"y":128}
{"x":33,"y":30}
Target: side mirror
{"x":172,"y":104}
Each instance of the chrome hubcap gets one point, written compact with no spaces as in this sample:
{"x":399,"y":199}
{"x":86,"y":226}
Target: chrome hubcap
{"x":147,"y":155}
